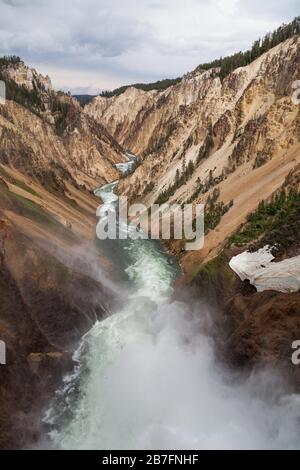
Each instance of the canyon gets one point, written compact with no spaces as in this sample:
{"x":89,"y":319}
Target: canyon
{"x":231,"y":144}
{"x":241,"y":135}
{"x":51,"y":281}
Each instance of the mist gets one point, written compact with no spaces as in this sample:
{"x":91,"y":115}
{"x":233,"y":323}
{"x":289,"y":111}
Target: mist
{"x":149,"y":377}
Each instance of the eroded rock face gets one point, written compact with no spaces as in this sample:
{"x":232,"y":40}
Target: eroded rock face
{"x":264,"y":326}
{"x":250,"y":329}
{"x":242,"y":136}
{"x":28,"y":77}
{"x":46,"y":134}
{"x":51,"y":156}
{"x":85,"y":153}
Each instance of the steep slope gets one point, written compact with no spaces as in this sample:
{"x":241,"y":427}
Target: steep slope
{"x":54,"y":281}
{"x":44,"y":132}
{"x":51,"y":293}
{"x":257,"y":327}
{"x":139,"y":119}
{"x":242,"y":135}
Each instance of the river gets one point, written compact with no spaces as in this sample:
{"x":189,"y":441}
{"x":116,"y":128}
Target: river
{"x":147,"y":376}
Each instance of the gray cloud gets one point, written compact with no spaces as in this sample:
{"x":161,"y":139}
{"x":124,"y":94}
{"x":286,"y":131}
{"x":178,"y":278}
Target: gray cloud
{"x":94,"y":44}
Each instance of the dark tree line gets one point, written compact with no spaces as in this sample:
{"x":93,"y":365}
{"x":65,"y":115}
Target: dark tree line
{"x":31,"y":99}
{"x":9,"y":60}
{"x":259,"y":47}
{"x":226,"y":64}
{"x":180,"y":179}
{"x":159,"y":85}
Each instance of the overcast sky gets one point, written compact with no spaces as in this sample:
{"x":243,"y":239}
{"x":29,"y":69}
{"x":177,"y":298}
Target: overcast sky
{"x":89,"y":45}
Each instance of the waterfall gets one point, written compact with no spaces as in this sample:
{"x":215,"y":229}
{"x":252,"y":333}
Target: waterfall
{"x":147,"y":376}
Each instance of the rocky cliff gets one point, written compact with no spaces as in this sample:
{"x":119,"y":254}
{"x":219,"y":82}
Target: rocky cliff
{"x":227,"y":142}
{"x":51,"y":293}
{"x":234,"y":145}
{"x":251,"y":328}
{"x":52,"y":276}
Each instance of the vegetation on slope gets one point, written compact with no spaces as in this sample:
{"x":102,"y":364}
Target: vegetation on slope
{"x":180,"y":179}
{"x":159,"y":85}
{"x":275,"y":223}
{"x":30,"y":99}
{"x":10,"y":61}
{"x":259,"y":47}
{"x":61,"y":110}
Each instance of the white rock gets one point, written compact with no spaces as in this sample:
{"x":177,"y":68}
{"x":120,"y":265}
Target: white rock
{"x":258,"y":268}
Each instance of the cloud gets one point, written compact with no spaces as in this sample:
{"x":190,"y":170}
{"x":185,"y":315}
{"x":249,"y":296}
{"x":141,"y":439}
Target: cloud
{"x":91,"y":44}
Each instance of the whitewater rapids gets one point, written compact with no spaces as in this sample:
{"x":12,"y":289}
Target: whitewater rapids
{"x":147,"y":377}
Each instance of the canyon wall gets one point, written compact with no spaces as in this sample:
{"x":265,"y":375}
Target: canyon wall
{"x":234,"y":141}
{"x":53,"y":278}
{"x":242,"y":136}
{"x":229,"y":144}
{"x":46,"y":134}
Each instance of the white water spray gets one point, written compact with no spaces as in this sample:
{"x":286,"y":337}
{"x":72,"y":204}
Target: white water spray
{"x":147,"y":378}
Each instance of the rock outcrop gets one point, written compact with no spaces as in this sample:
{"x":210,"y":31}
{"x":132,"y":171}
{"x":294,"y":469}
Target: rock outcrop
{"x":46,"y":134}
